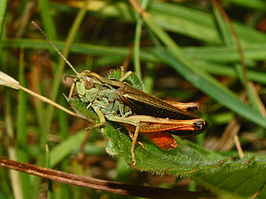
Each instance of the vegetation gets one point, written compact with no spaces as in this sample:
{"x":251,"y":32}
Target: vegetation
{"x":184,"y":51}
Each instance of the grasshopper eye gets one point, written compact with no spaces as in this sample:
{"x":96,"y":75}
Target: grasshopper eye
{"x":88,"y":83}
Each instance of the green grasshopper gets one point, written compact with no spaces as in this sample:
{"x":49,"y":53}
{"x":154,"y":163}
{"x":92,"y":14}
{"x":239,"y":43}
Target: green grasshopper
{"x":117,"y":101}
{"x":113,"y":99}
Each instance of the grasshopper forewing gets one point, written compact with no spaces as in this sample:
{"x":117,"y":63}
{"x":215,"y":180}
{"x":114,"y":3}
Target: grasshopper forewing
{"x":115,"y":100}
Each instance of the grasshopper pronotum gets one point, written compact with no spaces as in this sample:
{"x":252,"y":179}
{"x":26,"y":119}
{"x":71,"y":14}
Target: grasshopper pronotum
{"x":115,"y":100}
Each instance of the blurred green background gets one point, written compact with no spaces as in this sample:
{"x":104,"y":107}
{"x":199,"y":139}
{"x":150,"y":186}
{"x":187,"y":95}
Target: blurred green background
{"x":200,"y":64}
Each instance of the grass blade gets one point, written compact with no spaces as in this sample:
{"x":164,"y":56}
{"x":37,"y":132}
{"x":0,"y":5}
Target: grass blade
{"x":174,"y":56}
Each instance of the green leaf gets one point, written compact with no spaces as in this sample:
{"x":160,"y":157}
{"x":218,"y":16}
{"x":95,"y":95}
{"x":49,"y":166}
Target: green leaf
{"x":80,"y":107}
{"x":220,"y":173}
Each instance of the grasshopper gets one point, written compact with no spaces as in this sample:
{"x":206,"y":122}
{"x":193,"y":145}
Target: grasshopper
{"x":117,"y":101}
{"x":113,"y":99}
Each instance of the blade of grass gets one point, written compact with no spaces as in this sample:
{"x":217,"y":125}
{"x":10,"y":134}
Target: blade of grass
{"x":196,"y":24}
{"x":65,"y":147}
{"x":224,"y":70}
{"x":8,"y":124}
{"x":149,"y":77}
{"x":204,"y":56}
{"x":21,"y":128}
{"x":176,"y":18}
{"x":59,"y":71}
{"x":218,"y":54}
{"x":63,"y":132}
{"x":51,"y":32}
{"x":177,"y":59}
{"x":137,"y":39}
{"x":256,"y":4}
{"x":226,"y":54}
{"x":3,"y":5}
{"x":47,"y":165}
{"x":15,"y":180}
{"x":222,"y":54}
{"x":47,"y":19}
{"x":255,"y":100}
{"x":5,"y":178}
{"x":217,"y":92}
{"x":231,"y":39}
{"x":223,"y":27}
{"x":228,"y":31}
{"x":22,"y":106}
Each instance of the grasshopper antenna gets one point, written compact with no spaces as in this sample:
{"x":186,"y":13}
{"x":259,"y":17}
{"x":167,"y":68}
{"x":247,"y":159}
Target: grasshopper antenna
{"x":56,"y":49}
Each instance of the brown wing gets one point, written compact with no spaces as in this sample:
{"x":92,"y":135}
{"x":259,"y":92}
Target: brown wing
{"x":145,"y":104}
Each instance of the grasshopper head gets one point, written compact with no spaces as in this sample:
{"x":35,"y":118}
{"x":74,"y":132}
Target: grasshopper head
{"x":86,"y":86}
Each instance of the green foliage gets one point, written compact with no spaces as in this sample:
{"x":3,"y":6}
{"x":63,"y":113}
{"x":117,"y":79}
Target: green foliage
{"x":223,"y":175}
{"x":189,"y":41}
